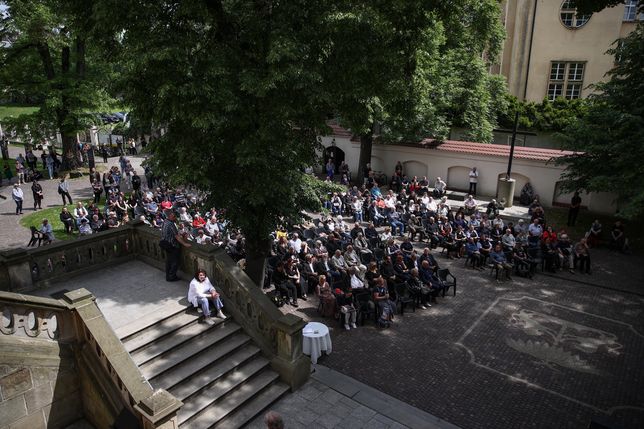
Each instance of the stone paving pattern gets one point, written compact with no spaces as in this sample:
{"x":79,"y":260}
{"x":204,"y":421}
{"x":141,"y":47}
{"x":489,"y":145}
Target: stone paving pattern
{"x":455,"y":362}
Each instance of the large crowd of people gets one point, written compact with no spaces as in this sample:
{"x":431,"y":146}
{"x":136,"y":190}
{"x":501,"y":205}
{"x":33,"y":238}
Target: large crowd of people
{"x":369,"y":245}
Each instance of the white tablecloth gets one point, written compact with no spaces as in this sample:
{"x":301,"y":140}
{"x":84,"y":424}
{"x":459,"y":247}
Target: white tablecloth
{"x":316,"y":339}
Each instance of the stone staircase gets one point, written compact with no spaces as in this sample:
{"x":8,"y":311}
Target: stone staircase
{"x":215,"y":370}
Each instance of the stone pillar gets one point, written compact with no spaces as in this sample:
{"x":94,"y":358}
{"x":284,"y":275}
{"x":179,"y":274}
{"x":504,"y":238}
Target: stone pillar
{"x":505,"y":191}
{"x":18,"y":270}
{"x":293,"y":367}
{"x":159,"y":411}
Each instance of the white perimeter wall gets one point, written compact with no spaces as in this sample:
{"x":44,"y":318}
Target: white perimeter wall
{"x":454,"y":167}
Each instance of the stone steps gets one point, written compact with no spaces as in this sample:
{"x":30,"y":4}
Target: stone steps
{"x":247,"y":393}
{"x":182,"y":347}
{"x":215,"y":370}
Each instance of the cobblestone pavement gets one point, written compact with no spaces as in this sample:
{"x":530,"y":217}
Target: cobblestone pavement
{"x":552,"y":352}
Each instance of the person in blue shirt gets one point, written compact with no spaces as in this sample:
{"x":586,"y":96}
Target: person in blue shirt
{"x":500,"y":261}
{"x":473,"y":251}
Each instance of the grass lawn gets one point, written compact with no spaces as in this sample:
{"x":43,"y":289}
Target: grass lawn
{"x":7,"y":111}
{"x":52,"y":214}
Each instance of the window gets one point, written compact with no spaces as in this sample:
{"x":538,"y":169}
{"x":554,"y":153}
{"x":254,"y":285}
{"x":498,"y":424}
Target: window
{"x":557,"y":71}
{"x":555,"y":90}
{"x":570,"y":18}
{"x":566,"y":80}
{"x":576,"y":71}
{"x":630,"y":11}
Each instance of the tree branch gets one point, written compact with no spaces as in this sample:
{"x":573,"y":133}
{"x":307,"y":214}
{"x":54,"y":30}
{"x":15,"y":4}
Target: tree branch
{"x":45,"y":56}
{"x":80,"y":57}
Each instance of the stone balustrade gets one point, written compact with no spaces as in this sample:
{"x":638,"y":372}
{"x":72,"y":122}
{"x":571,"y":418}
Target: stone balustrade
{"x":40,"y":333}
{"x":279,"y":336}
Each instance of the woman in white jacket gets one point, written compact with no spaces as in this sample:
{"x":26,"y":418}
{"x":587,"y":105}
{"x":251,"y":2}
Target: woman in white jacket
{"x":202,"y":293}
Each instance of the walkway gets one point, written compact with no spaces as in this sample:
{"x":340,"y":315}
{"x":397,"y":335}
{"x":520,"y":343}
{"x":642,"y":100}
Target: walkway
{"x":13,"y":234}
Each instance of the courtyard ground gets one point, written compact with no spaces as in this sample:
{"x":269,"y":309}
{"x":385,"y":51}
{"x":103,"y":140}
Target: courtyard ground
{"x":552,"y":352}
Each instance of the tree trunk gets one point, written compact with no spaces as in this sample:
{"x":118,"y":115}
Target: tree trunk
{"x":70,"y":152}
{"x":366,"y":144}
{"x":257,"y":252}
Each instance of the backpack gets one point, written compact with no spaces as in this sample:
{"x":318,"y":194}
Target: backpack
{"x":276,"y":297}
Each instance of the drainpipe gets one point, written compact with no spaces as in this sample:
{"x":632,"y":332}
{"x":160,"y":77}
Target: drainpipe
{"x":527,"y":74}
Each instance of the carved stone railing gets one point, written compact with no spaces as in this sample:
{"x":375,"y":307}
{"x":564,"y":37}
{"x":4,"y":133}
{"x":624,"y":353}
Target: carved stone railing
{"x":110,"y":381}
{"x":278,"y":335}
{"x":35,"y":317}
{"x":37,"y":268}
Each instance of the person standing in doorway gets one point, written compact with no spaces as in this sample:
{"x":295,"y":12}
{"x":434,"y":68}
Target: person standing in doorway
{"x":172,"y":241}
{"x":474,"y":179}
{"x":573,"y":211}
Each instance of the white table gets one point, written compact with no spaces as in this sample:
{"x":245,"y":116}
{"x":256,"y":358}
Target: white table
{"x":316,"y":339}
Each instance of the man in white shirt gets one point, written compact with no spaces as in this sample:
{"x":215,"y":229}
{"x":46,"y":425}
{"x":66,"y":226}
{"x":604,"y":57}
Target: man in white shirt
{"x":212,"y":227}
{"x":439,"y":187}
{"x":296,"y":243}
{"x":474,"y":178}
{"x":470,"y":205}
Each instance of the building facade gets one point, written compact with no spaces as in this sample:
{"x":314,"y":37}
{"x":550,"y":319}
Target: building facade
{"x":552,"y":51}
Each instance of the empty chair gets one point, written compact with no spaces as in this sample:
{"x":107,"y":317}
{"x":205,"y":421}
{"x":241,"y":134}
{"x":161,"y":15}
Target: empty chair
{"x":404,"y":297}
{"x":36,"y":237}
{"x":366,"y":307}
{"x":448,"y":280}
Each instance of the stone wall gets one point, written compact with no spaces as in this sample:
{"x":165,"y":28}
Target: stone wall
{"x":60,"y":361}
{"x":38,"y":385}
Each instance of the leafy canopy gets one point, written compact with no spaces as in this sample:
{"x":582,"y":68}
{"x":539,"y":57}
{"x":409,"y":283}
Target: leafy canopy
{"x":610,"y":133}
{"x":50,"y":60}
{"x":414,"y":68}
{"x":238,"y":86}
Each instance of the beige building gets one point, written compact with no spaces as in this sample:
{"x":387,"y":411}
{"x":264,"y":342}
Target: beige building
{"x":552,"y":51}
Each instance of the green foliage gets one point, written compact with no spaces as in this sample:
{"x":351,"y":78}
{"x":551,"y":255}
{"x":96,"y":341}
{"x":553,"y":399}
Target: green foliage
{"x":545,"y":116}
{"x":239,"y":90}
{"x":50,"y":59}
{"x":609,"y":135}
{"x":415,"y":67}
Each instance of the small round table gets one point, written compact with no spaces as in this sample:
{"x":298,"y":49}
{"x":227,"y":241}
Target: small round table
{"x":316,"y":339}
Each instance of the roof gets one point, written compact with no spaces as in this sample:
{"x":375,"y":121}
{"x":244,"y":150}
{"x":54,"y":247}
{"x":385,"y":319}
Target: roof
{"x":474,"y":148}
{"x":520,"y":152}
{"x":338,"y":131}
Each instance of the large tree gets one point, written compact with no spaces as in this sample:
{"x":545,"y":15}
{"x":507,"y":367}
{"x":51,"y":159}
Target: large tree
{"x":406,"y":70}
{"x":238,"y":86}
{"x":49,"y":57}
{"x":608,"y":137}
{"x":244,"y":87}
